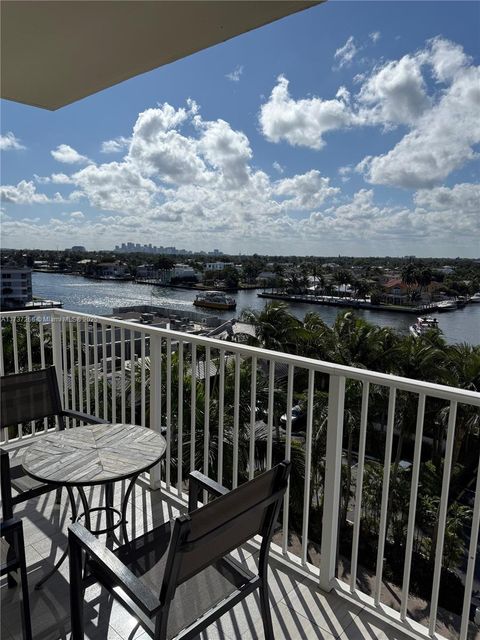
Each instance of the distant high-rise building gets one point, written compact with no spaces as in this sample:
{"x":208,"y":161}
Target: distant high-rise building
{"x":131,"y":247}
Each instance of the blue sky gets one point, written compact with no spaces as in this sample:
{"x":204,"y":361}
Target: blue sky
{"x":351,"y":128}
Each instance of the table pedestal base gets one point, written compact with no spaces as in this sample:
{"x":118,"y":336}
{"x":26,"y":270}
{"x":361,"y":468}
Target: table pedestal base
{"x":110,"y":511}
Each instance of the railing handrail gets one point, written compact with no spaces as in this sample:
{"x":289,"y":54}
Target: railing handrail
{"x":383,"y":379}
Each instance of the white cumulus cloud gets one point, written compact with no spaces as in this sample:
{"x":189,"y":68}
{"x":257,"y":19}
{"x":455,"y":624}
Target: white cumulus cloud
{"x":306,"y":191}
{"x":117,"y":145}
{"x":116,"y":186}
{"x":67,"y":154}
{"x":441,"y":141}
{"x":10,"y":141}
{"x":225,"y":150}
{"x":395,"y":94}
{"x":25,"y":192}
{"x":442,"y":125}
{"x":447,"y":58}
{"x":302,"y":122}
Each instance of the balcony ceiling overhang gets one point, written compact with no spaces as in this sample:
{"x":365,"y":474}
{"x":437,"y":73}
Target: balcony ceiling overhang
{"x":54,"y":53}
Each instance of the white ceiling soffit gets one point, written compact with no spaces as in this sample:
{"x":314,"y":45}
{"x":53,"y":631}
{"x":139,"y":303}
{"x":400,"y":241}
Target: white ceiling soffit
{"x":56,"y":52}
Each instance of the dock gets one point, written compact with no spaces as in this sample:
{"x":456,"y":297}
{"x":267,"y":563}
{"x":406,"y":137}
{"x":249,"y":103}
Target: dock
{"x":348,"y":303}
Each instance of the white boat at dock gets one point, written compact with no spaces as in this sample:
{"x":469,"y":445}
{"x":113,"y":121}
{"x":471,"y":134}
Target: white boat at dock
{"x":475,"y":297}
{"x":215,"y":300}
{"x":447,"y":305}
{"x":423,"y":325}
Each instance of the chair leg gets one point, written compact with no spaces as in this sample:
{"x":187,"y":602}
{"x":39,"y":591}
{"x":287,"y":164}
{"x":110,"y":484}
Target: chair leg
{"x":160,"y":632}
{"x":58,"y":496}
{"x":265,"y":610}
{"x":76,"y":588}
{"x":109,"y":503}
{"x":26,"y":620}
{"x":12,"y":541}
{"x":11,"y":582}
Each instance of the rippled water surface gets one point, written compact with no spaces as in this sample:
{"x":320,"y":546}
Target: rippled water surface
{"x":100,"y":297}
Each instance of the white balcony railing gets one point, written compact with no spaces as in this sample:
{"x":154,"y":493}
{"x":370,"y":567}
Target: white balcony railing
{"x":220,"y":406}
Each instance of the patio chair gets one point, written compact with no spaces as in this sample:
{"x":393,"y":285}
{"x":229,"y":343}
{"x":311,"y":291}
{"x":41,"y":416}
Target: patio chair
{"x":180,"y":577}
{"x":12,"y":552}
{"x":27,"y":397}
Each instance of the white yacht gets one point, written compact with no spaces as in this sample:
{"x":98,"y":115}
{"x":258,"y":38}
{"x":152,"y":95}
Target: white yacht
{"x":475,"y":297}
{"x":215,"y":300}
{"x":447,"y":305}
{"x":423,"y":326}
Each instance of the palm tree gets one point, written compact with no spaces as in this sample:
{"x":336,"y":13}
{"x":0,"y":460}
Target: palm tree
{"x":464,"y":369}
{"x":362,"y":289}
{"x":321,"y":283}
{"x":294,"y":281}
{"x":314,"y":272}
{"x":352,"y":342}
{"x":276,"y":328}
{"x":420,"y":359}
{"x":304,"y":276}
{"x":342,"y":277}
{"x":409,"y":277}
{"x":424,"y":278}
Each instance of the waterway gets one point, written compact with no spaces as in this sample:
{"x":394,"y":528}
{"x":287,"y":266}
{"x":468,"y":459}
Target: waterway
{"x":99,"y":297}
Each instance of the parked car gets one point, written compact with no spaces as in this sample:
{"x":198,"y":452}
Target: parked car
{"x":299,"y":418}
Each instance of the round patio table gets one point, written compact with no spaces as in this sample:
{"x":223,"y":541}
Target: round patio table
{"x":94,"y":454}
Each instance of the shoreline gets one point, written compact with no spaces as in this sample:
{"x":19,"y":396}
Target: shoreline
{"x":348,"y":303}
{"x":152,"y":282}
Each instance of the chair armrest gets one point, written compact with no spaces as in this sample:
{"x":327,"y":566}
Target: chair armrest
{"x":199,"y":481}
{"x":114,"y":568}
{"x":85,"y":417}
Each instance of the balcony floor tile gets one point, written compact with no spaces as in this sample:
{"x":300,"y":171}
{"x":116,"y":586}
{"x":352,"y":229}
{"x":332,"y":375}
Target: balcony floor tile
{"x":299,"y":610}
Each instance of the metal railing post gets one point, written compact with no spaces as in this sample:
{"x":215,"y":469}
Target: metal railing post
{"x":57,"y":352}
{"x":333,"y":466}
{"x":155,"y":399}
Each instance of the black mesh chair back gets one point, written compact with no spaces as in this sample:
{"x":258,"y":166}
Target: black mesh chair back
{"x":27,"y":396}
{"x":230,"y":521}
{"x":179,"y":580}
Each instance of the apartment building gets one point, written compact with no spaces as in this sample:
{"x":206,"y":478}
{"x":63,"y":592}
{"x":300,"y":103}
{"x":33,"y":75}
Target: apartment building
{"x":16,"y":287}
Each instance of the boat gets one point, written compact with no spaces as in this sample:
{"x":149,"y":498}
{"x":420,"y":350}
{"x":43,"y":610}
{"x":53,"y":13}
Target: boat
{"x":215,"y":300}
{"x":423,"y":326}
{"x":475,"y":297}
{"x":462,"y":302}
{"x":447,"y":305}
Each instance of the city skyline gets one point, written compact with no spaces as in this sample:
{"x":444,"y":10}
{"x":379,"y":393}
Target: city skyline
{"x":335,"y":131}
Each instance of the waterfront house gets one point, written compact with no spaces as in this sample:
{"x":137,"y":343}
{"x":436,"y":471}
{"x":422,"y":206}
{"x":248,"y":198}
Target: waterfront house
{"x":217,"y":266}
{"x":83,"y":266}
{"x":147,"y":272}
{"x":111,"y":270}
{"x":396,"y":292}
{"x":184,"y":272}
{"x":266,"y":279}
